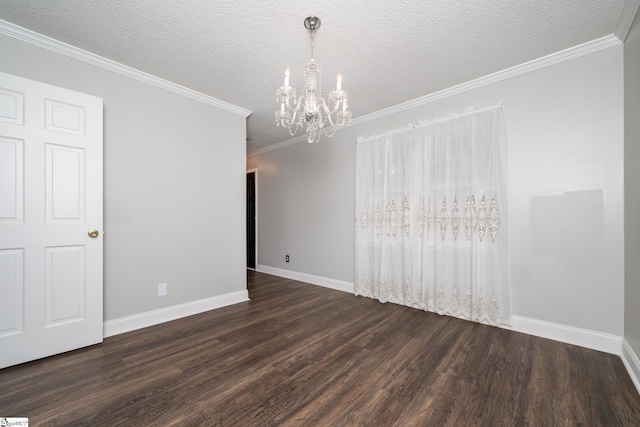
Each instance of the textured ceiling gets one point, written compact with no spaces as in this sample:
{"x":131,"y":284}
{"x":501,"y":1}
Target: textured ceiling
{"x":389,"y":52}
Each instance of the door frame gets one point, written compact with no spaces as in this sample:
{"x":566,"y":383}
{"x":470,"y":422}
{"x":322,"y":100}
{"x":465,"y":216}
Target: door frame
{"x":255,"y":237}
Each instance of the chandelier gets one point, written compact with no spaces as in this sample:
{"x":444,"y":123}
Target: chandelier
{"x":310,"y":108}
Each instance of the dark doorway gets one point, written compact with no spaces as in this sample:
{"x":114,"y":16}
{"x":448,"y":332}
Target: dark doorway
{"x":251,"y":220}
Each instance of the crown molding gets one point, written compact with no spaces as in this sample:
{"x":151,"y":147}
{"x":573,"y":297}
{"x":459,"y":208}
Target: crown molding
{"x":508,"y":73}
{"x":330,"y":130}
{"x":527,"y":67}
{"x":282,"y":144}
{"x":286,"y":143}
{"x":627,"y":15}
{"x":62,"y":48}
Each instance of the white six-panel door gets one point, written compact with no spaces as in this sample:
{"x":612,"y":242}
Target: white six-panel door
{"x":50,"y":198}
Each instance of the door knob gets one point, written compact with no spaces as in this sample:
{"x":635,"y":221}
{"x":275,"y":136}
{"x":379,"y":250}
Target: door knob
{"x":93,"y":233}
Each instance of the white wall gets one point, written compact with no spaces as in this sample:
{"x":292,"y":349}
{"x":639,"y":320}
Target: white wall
{"x":632,"y":187}
{"x":174,"y":184}
{"x":565,"y":131}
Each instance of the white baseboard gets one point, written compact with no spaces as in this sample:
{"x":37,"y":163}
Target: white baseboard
{"x":338,"y":285}
{"x":587,"y":338}
{"x":154,"y":317}
{"x":631,"y":362}
{"x":568,"y":334}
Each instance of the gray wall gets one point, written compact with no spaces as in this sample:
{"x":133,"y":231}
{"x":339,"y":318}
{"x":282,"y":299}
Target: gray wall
{"x":565,"y":132}
{"x":632,"y":186}
{"x":174,"y":184}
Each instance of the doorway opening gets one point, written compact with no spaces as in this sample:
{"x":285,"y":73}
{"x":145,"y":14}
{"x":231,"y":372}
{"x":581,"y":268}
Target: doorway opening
{"x":252,"y":200}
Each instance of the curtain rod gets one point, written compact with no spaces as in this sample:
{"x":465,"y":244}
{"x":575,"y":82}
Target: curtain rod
{"x":422,"y":123}
{"x":451,"y":116}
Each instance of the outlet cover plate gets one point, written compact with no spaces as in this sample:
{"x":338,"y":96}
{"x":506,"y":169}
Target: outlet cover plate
{"x":162,"y":289}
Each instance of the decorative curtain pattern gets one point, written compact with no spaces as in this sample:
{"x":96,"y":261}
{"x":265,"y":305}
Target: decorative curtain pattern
{"x":431,"y":217}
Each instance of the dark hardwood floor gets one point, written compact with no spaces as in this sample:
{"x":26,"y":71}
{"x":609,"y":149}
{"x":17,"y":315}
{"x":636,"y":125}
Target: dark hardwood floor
{"x":303,"y":355}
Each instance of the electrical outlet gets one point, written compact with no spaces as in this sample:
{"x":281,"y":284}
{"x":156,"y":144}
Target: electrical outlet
{"x":286,"y":258}
{"x":162,"y":289}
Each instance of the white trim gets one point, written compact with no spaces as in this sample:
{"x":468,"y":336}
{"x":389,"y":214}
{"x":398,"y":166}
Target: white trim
{"x":338,"y":285}
{"x":278,"y":145}
{"x":631,"y":362}
{"x":57,"y":46}
{"x":527,"y":67}
{"x":154,"y":317}
{"x":568,"y":334}
{"x":627,"y":15}
{"x":255,"y":190}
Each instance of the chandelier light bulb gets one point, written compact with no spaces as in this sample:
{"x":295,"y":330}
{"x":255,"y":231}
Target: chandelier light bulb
{"x":317,"y":113}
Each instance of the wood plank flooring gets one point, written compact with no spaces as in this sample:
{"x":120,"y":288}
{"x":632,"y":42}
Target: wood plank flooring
{"x":302,"y":355}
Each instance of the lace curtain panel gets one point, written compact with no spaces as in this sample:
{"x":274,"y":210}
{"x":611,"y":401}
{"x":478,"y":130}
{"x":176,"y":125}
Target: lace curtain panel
{"x":431,"y":217}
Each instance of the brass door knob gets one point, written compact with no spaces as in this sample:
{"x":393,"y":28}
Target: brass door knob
{"x":93,"y":233}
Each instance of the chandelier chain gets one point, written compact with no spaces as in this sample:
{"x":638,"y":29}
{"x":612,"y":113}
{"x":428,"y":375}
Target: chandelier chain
{"x":312,"y":31}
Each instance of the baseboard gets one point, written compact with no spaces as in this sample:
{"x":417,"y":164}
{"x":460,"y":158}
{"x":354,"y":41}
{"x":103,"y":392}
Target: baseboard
{"x":338,"y":285}
{"x":568,"y":334}
{"x":631,"y":362}
{"x":154,"y":317}
{"x":594,"y":340}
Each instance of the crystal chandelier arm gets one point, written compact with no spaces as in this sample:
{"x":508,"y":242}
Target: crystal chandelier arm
{"x":338,"y":97}
{"x":297,"y":104}
{"x":288,"y":117}
{"x":329,"y":113}
{"x":341,"y":98}
{"x":294,"y":113}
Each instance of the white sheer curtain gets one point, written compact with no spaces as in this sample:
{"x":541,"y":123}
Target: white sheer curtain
{"x":431,"y":217}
